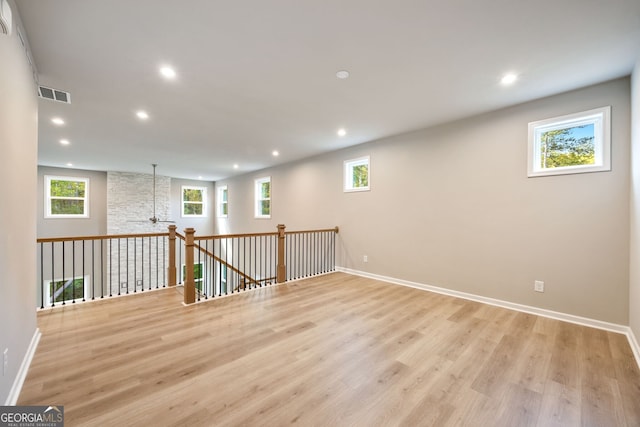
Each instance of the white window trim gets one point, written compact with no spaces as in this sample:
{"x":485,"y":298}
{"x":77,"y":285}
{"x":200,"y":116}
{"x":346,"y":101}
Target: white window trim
{"x":220,"y":201}
{"x":599,"y":117}
{"x":204,"y":201}
{"x":47,"y":196}
{"x":87,"y":287}
{"x":257,"y":199}
{"x":348,"y":174}
{"x":183,"y":272}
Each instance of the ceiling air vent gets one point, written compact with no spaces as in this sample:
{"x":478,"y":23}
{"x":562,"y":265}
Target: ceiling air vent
{"x":5,"y":17}
{"x":54,"y":94}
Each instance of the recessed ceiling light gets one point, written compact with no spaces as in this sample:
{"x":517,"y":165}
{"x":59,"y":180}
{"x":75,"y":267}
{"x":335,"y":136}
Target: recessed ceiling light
{"x":167,"y":72}
{"x":342,"y":74}
{"x":142,"y":115}
{"x":509,"y":79}
{"x":64,"y":141}
{"x":275,"y":153}
{"x":69,"y":164}
{"x":342,"y":132}
{"x":236,"y":166}
{"x":57,"y":121}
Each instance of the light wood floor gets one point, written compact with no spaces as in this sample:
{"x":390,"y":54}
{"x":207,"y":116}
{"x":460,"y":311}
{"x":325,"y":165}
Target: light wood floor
{"x":336,"y":350}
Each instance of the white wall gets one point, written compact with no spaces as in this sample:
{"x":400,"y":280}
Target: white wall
{"x":452,"y":206}
{"x":634,"y":279}
{"x":18,"y":144}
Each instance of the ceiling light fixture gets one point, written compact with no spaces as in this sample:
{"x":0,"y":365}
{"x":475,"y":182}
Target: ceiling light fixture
{"x":508,"y":79}
{"x":342,"y":74}
{"x":167,"y":72}
{"x":142,"y":115}
{"x":64,"y":141}
{"x":342,"y":132}
{"x":69,"y":164}
{"x":57,"y":121}
{"x":275,"y":153}
{"x":199,"y":176}
{"x":236,"y":166}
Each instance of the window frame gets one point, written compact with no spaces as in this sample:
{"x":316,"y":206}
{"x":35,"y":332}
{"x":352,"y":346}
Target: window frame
{"x":197,"y":281}
{"x":349,"y":165}
{"x":600,"y":118}
{"x":258,"y":199}
{"x":184,"y":202}
{"x":86,"y":290}
{"x":221,"y":202}
{"x":48,"y":197}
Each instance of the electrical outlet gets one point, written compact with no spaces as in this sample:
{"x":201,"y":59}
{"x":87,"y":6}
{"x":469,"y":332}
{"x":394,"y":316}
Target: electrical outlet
{"x":5,"y":362}
{"x":538,"y":286}
{"x":123,"y":285}
{"x":139,"y":283}
{"x":365,"y":258}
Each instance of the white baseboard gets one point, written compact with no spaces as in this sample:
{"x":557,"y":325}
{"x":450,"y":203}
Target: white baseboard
{"x":584,"y":321}
{"x":12,"y":399}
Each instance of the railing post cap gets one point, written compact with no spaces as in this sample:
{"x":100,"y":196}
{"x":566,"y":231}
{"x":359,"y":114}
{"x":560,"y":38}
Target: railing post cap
{"x":189,"y":230}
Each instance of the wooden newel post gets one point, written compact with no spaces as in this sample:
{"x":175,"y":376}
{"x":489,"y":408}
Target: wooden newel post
{"x":189,"y":284}
{"x":281,"y":275}
{"x":171,"y":269}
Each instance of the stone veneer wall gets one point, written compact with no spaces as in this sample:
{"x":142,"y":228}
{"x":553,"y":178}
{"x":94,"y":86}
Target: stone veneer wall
{"x":129,"y":207}
{"x":130,"y":202}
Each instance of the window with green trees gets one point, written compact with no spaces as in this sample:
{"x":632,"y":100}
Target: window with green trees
{"x":263,"y":197}
{"x":357,"y":174}
{"x":66,"y":197}
{"x":194,"y":201}
{"x":223,"y":202}
{"x":66,"y":290}
{"x":574,"y":143}
{"x":198,"y":275}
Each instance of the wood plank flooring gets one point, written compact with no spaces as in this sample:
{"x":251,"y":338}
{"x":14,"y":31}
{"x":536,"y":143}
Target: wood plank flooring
{"x":336,"y":350}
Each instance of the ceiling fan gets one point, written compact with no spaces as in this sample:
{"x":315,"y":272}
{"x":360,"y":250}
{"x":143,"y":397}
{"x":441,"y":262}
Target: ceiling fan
{"x":154,"y":219}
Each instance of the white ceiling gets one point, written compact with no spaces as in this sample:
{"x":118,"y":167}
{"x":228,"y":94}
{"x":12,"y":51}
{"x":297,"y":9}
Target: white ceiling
{"x":256,"y":76}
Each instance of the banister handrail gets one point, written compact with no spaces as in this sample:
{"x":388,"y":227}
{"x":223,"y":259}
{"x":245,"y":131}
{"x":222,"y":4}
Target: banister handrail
{"x":103,"y":237}
{"x":128,"y":262}
{"x":225,"y":263}
{"x":234,"y":236}
{"x":322,"y":230}
{"x":220,"y":260}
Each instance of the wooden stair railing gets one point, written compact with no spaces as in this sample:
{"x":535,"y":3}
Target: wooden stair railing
{"x":244,"y":278}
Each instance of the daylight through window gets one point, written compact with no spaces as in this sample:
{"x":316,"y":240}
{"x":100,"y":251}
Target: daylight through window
{"x":67,"y":290}
{"x":223,"y":202}
{"x":66,"y":197}
{"x":357,"y":174}
{"x":198,"y":275}
{"x":575,"y":143}
{"x":193,"y":201}
{"x":263,"y":198}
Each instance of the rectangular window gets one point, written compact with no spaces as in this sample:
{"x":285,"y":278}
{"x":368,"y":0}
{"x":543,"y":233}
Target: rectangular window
{"x":223,"y":279}
{"x":198,"y":277}
{"x":66,"y":197}
{"x":263,"y":197}
{"x":357,"y":174}
{"x":223,"y":202}
{"x":69,"y":289}
{"x":194,"y":201}
{"x":575,"y":143}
